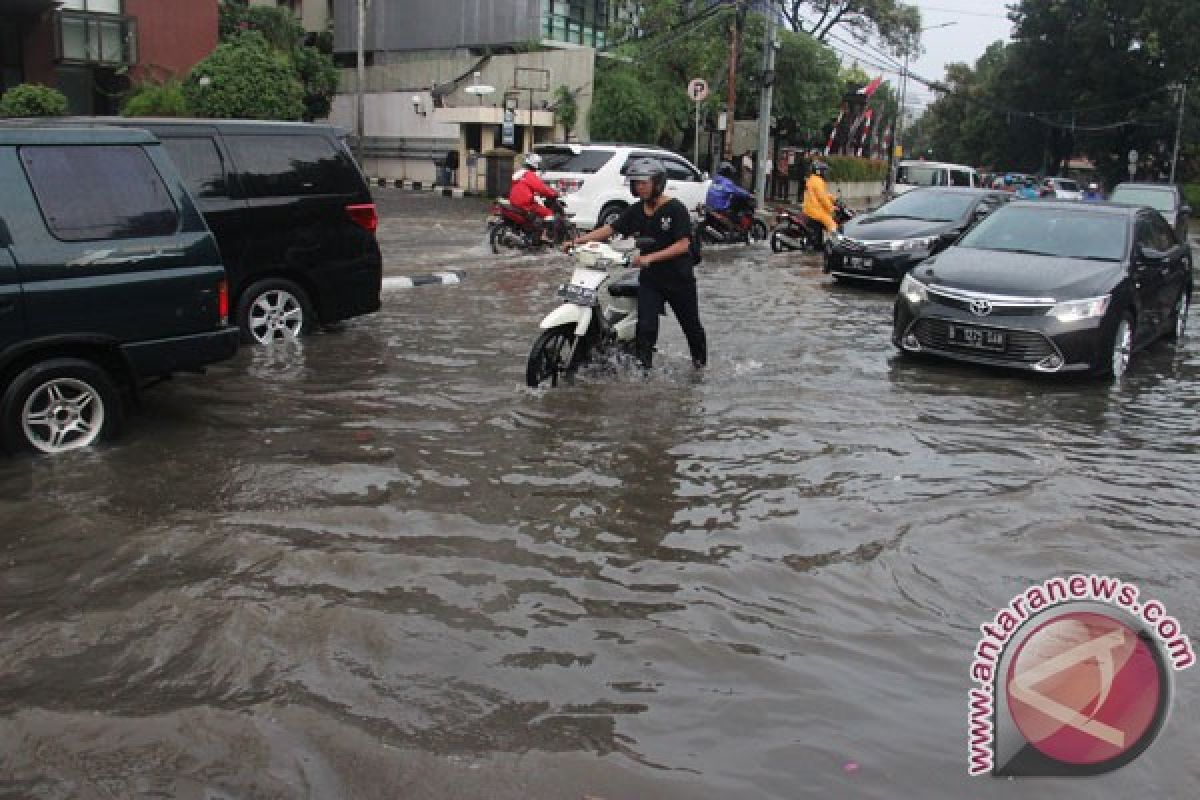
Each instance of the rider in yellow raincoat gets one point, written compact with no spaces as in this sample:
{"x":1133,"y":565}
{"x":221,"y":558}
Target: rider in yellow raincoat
{"x":818,"y":202}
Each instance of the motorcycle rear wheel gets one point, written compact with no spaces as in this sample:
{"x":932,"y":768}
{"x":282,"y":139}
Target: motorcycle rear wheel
{"x":503,"y":238}
{"x":547,"y":358}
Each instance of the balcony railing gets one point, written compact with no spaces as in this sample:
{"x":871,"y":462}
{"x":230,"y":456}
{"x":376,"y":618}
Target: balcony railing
{"x":83,"y":37}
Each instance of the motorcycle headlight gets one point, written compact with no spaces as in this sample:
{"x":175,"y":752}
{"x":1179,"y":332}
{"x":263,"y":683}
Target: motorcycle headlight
{"x":1075,"y":310}
{"x":912,"y":245}
{"x":912,"y":290}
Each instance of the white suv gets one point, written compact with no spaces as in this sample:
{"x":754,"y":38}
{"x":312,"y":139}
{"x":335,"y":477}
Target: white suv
{"x":592,"y":178}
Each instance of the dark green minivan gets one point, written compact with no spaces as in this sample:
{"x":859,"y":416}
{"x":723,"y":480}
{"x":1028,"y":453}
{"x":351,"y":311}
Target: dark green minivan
{"x":109,"y":278}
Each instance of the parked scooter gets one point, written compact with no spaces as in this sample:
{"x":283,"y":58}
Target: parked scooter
{"x":598,"y":315}
{"x":795,"y":230}
{"x":513,"y":229}
{"x":741,"y":224}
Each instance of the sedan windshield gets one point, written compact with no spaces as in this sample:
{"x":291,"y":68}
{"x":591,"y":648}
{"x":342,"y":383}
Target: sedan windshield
{"x":1052,"y":232}
{"x":932,"y":205}
{"x":1158,"y":199}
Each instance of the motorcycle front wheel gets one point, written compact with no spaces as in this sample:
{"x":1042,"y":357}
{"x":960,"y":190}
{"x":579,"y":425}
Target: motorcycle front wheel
{"x":548,"y":358}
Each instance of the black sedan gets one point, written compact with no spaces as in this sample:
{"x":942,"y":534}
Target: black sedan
{"x":889,"y":241}
{"x":1051,"y":286}
{"x":1164,"y":198}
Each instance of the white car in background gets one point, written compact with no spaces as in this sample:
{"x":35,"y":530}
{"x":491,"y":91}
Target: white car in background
{"x":1061,"y":189}
{"x":592,"y":178}
{"x":913,"y":174}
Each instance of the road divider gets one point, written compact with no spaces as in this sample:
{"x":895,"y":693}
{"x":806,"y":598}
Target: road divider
{"x":411,"y":281}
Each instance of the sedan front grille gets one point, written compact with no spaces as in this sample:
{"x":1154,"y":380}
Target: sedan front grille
{"x":1021,"y":347}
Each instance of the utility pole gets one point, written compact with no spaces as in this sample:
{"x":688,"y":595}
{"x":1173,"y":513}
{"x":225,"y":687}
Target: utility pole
{"x":731,"y":101}
{"x":359,"y":113}
{"x":1178,"y":129}
{"x":764,"y":110}
{"x":898,"y":127}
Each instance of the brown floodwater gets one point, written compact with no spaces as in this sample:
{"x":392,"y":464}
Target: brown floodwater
{"x":375,"y":565}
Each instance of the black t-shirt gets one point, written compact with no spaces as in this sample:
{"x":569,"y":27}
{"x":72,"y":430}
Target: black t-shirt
{"x":669,"y":224}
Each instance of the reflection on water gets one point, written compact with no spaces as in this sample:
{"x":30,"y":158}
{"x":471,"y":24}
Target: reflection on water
{"x":329,"y":564}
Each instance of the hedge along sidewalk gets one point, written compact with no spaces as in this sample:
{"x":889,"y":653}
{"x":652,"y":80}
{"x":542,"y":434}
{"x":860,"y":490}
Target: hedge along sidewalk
{"x":419,"y":186}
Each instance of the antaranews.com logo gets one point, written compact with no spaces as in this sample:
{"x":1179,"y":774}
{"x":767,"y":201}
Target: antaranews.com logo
{"x":1074,"y":678}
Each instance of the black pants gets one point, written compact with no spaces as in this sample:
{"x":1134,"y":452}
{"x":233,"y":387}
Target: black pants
{"x":681,"y":296}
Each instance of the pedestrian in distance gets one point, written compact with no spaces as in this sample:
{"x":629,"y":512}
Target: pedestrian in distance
{"x":819,"y":203}
{"x":666,"y":267}
{"x":527,"y":187}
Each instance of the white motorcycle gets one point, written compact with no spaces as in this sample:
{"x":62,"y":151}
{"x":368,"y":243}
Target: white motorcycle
{"x":598,"y":314}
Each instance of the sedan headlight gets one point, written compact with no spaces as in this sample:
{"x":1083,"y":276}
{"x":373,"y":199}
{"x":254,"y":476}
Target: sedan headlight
{"x":922,"y":243}
{"x":912,"y":290}
{"x":1075,"y":310}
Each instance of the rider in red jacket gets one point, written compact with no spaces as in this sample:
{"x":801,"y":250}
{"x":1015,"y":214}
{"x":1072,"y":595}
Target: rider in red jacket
{"x":527,"y":187}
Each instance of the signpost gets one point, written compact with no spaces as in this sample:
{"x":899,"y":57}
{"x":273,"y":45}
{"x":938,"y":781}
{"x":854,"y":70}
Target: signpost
{"x":698,"y":91}
{"x":508,"y":129}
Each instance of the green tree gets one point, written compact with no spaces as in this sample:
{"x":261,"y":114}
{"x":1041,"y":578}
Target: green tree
{"x":244,"y":78}
{"x":33,"y":100}
{"x":896,"y":24}
{"x":566,"y":110}
{"x":625,"y":109}
{"x":283,"y":33}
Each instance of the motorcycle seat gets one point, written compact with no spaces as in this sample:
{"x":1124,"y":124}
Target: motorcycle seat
{"x":625,"y":286}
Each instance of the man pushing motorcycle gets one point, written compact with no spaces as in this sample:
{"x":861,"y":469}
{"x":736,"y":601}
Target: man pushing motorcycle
{"x":525,"y":190}
{"x":666,"y":274}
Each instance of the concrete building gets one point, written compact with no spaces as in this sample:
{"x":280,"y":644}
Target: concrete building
{"x":431,"y":64}
{"x":94,"y":50}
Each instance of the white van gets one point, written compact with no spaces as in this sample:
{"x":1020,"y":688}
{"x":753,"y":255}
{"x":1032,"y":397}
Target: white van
{"x":912,"y":174}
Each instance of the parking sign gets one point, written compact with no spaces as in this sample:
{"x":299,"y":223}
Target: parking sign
{"x":698,"y":90}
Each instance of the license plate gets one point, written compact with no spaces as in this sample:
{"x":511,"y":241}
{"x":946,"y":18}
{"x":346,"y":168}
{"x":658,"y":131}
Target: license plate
{"x":977,"y":338}
{"x":858,"y":262}
{"x":579,"y":295}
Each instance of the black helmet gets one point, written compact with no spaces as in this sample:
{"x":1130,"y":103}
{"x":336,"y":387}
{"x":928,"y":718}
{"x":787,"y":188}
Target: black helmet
{"x":648,"y":169}
{"x":727,"y":170}
{"x":820,"y":167}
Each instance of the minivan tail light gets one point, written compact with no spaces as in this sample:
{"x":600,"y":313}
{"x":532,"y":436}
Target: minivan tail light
{"x":364,"y":216}
{"x":223,"y":301}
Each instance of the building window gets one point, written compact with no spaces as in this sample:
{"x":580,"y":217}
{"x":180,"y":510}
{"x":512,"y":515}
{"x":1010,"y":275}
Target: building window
{"x":93,"y":6}
{"x":86,"y":37}
{"x":576,"y":21}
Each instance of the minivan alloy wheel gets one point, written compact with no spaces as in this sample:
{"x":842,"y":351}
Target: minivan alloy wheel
{"x":276,"y":314}
{"x":58,"y":405}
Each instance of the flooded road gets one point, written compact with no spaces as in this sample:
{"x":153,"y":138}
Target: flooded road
{"x":376,"y":566}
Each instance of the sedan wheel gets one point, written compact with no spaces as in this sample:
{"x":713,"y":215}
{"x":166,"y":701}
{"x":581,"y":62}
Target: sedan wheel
{"x":1179,"y":315}
{"x":1122,"y":347}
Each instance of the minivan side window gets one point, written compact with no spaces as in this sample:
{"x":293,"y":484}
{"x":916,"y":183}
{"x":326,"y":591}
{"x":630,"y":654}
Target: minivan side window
{"x":285,"y":165}
{"x":200,"y":163}
{"x":90,"y":192}
{"x":960,"y":178}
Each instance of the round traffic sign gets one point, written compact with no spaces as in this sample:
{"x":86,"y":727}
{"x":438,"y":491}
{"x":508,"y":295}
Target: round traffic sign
{"x":698,"y":89}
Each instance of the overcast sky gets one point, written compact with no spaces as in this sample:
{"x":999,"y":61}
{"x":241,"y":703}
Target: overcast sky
{"x":977,"y":23}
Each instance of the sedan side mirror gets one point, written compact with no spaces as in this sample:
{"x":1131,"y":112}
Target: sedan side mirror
{"x":1149,"y":255}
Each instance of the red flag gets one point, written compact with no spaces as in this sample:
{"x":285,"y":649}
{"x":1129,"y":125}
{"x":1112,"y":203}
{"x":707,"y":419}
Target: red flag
{"x":870,"y":88}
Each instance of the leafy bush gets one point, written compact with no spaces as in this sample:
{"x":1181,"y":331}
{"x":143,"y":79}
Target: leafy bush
{"x":156,"y":99}
{"x":851,"y":169}
{"x":566,"y":110}
{"x":31,"y":100}
{"x":245,"y":79}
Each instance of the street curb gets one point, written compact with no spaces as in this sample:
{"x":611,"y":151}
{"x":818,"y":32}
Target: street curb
{"x":420,"y":186}
{"x":412,"y":281}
